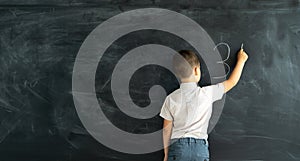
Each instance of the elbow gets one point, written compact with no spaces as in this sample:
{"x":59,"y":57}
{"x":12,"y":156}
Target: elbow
{"x":167,"y":130}
{"x":234,"y":83}
{"x":229,"y":84}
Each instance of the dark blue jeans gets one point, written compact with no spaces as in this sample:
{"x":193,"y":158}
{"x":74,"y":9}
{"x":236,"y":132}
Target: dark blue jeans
{"x":188,"y":149}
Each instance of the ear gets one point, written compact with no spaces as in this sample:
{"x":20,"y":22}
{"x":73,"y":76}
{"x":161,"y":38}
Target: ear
{"x":196,"y":70}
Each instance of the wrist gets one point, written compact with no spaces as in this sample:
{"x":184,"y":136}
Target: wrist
{"x":240,"y":61}
{"x":166,"y":152}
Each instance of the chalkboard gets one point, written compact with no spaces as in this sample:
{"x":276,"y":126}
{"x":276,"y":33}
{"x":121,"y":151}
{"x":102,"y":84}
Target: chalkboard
{"x":39,"y":43}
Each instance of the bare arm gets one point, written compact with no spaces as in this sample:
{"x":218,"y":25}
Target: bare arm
{"x":167,"y":130}
{"x":237,"y":71}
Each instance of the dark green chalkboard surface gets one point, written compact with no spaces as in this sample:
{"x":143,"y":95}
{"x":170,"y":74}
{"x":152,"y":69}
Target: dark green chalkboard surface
{"x":39,"y":41}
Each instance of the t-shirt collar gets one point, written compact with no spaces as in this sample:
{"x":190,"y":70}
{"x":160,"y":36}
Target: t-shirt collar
{"x":188,"y":85}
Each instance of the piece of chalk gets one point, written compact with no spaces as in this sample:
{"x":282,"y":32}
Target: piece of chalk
{"x":242,"y":46}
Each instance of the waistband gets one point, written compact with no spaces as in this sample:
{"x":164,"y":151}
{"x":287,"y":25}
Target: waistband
{"x":189,"y":140}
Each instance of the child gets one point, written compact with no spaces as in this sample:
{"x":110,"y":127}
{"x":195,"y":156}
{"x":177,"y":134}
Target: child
{"x":187,"y":110}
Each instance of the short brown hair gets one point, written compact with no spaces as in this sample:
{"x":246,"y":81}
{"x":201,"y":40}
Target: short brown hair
{"x":181,"y":67}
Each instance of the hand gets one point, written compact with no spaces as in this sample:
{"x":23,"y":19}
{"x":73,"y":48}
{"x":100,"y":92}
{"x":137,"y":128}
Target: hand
{"x":242,"y":56}
{"x":166,"y":158}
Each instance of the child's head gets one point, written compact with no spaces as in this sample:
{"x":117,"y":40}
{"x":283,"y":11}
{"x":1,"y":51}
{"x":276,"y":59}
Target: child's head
{"x":187,"y":66}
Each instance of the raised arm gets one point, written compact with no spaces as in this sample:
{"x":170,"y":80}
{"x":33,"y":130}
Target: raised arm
{"x":237,"y":71}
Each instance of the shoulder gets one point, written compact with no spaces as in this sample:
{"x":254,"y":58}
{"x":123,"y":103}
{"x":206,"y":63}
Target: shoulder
{"x":174,"y":94}
{"x":215,"y":91}
{"x":211,"y":87}
{"x":173,"y":98}
{"x":205,"y":89}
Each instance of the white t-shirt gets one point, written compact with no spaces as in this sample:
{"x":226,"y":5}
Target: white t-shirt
{"x":190,"y":108}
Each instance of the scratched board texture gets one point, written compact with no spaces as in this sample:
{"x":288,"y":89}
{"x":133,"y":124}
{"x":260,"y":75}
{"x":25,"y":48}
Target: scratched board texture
{"x":39,"y":41}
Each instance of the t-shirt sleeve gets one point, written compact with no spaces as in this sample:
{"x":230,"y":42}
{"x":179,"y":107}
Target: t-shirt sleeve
{"x":216,"y":91}
{"x":165,"y":110}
